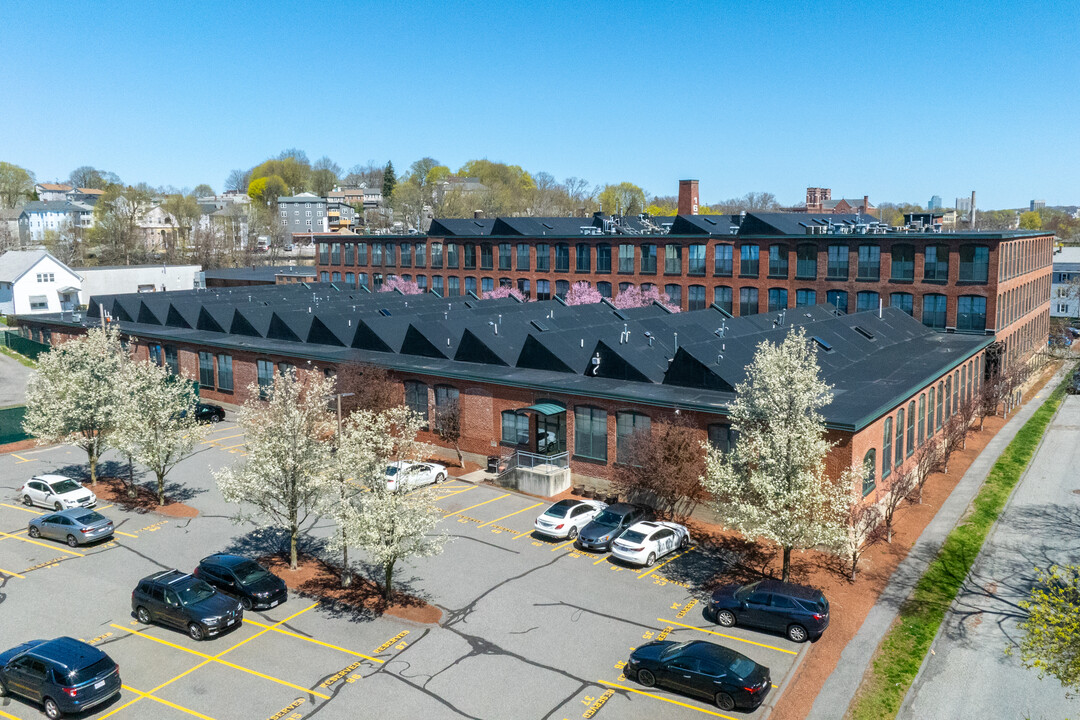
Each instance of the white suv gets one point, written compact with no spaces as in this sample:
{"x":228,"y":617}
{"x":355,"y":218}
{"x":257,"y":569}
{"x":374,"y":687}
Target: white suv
{"x":56,"y":492}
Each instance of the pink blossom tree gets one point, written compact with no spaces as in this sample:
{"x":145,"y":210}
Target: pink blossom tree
{"x":504,"y":291}
{"x":634,"y":297}
{"x":582,"y":293}
{"x":396,"y":282}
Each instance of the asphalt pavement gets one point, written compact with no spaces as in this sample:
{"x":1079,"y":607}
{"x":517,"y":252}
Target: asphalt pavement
{"x":968,"y":674}
{"x":13,"y":379}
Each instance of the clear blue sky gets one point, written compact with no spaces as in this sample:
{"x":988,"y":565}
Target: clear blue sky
{"x":901,"y":101}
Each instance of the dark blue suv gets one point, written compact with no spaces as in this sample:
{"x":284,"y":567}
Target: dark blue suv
{"x":64,"y":675}
{"x":800,"y":612}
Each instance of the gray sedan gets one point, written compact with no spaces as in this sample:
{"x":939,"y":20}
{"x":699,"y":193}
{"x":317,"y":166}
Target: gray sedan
{"x":76,"y":526}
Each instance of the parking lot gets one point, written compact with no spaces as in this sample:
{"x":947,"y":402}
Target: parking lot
{"x":531,"y":628}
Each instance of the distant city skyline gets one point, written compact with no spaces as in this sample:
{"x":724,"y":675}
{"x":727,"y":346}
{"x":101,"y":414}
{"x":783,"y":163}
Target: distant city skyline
{"x":744,"y":97}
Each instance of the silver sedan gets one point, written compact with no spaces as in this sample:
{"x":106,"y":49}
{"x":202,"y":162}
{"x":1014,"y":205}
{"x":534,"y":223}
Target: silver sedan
{"x":77,"y":526}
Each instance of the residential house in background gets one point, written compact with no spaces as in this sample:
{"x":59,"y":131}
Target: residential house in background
{"x":39,"y":216}
{"x":101,"y":280}
{"x":303,"y":213}
{"x":363,"y":196}
{"x":1065,"y":286}
{"x":52,"y":192}
{"x":33,"y":281}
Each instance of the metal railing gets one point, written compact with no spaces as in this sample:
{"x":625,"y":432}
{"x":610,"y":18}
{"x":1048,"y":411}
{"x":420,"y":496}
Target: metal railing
{"x":530,"y":460}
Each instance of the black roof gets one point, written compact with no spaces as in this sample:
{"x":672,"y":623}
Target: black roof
{"x":649,"y":356}
{"x":225,"y":559}
{"x":265,"y":273}
{"x":67,"y":652}
{"x":802,"y":592}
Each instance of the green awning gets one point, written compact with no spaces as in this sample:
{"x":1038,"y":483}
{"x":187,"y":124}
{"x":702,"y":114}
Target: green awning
{"x":545,"y":408}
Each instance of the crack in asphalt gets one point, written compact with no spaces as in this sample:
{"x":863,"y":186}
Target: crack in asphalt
{"x":579,"y":611}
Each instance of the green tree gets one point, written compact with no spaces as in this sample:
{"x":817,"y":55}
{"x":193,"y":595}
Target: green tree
{"x":16,"y":184}
{"x":622,"y":199}
{"x":294,"y":171}
{"x":1051,"y":630}
{"x":324,"y":176}
{"x":267,"y":190}
{"x":509,"y":189}
{"x":202,"y":190}
{"x":1030,"y":221}
{"x":389,"y":183}
{"x":116,"y":223}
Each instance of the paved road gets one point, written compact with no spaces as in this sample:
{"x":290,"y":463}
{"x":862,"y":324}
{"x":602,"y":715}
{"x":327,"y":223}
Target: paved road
{"x":969,"y":675}
{"x":13,"y":378}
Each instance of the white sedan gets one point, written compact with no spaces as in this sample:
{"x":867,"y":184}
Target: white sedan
{"x":404,"y":475}
{"x":56,"y":492}
{"x":565,"y":518}
{"x":646,"y":541}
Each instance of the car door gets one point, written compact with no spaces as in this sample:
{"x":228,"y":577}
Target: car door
{"x":48,"y":526}
{"x":781,"y":612}
{"x":63,"y":527}
{"x":155,"y":603}
{"x":17,"y":677}
{"x":756,"y":610}
{"x":665,"y":541}
{"x":173,"y":612}
{"x":579,"y":516}
{"x":681,"y":673}
{"x":213,"y":575}
{"x":37,"y":490}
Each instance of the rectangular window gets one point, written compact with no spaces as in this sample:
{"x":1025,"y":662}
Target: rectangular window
{"x":470,"y":285}
{"x":224,"y":372}
{"x":504,"y":256}
{"x":626,"y":425}
{"x":487,"y":284}
{"x":324,"y":276}
{"x":674,"y":293}
{"x":470,"y":256}
{"x":420,"y":255}
{"x":974,"y":263}
{"x":335,"y":253}
{"x":778,"y":261}
{"x":543,"y":257}
{"x":436,"y":255}
{"x":936,"y":263}
{"x":903,"y":301}
{"x":839,"y":298}
{"x":648,"y":259}
{"x":452,"y":256}
{"x":416,"y":398}
{"x":350,"y":278}
{"x":806,"y":261}
{"x":865,"y":301}
{"x":376,"y":254}
{"x":583,"y":258}
{"x":486,"y":257}
{"x":722,"y":437}
{"x":206,"y":370}
{"x":453,"y":286}
{"x":748,"y":301}
{"x":361,"y":254}
{"x":543,"y":289}
{"x":155,"y":354}
{"x":838,"y":263}
{"x":390,"y":258}
{"x":172,"y":361}
{"x":437,"y":284}
{"x":406,"y":255}
{"x":603,"y":258}
{"x":522,"y":256}
{"x":777,"y":299}
{"x":869,"y":262}
{"x":695,"y":297}
{"x":350,"y":253}
{"x":265,"y":370}
{"x":696,"y":260}
{"x":933,"y":311}
{"x":324,"y":253}
{"x":626,"y":258}
{"x":722,"y":298}
{"x":805,"y":297}
{"x":886,"y":449}
{"x":748,"y":261}
{"x":903,"y":262}
{"x":590,"y":433}
{"x":971,"y":313}
{"x":562,"y":257}
{"x":515,"y":428}
{"x":722,"y":263}
{"x":673,"y":259}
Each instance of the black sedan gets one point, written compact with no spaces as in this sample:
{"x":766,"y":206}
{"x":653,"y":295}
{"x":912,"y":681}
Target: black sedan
{"x":252,"y":584}
{"x":208,"y":413}
{"x":726,"y":678}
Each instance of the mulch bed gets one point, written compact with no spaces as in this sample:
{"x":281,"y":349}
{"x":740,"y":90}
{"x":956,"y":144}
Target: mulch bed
{"x":315,"y":578}
{"x":455,"y":470}
{"x":115,"y":491}
{"x":17,"y":446}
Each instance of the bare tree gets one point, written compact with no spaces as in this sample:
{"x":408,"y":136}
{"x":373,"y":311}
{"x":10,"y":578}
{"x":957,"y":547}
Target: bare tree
{"x":969,"y":409}
{"x":446,"y":424}
{"x":952,"y":435}
{"x":238,"y":180}
{"x":663,"y":467}
{"x":894,"y":491}
{"x":927,"y":459}
{"x":371,"y":386}
{"x":864,"y":529}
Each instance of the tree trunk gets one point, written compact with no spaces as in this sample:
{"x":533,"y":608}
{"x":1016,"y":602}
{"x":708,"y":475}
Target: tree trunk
{"x":388,"y":580}
{"x":293,"y":532}
{"x":854,"y":563}
{"x":160,"y":488}
{"x":888,"y":536}
{"x":786,"y":573}
{"x":131,"y":478}
{"x":460,"y":460}
{"x":92,"y":456}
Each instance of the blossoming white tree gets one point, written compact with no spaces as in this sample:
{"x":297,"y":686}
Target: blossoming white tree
{"x":285,"y":478}
{"x":155,"y":419}
{"x":773,"y":483}
{"x":73,"y":396}
{"x":390,"y":526}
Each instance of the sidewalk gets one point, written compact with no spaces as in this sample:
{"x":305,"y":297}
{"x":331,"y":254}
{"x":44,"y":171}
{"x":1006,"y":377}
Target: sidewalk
{"x":839,"y":690}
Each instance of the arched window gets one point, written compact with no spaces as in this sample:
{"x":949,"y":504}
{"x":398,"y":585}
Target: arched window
{"x":910,"y":429}
{"x":869,"y":478}
{"x":922,"y":414}
{"x":940,"y":398}
{"x":416,"y":398}
{"x":956,"y":392}
{"x":899,"y":458}
{"x":948,"y":396}
{"x":590,"y":432}
{"x":627,"y":423}
{"x":886,"y":449}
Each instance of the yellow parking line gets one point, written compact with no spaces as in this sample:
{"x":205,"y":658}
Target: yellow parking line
{"x":527,"y":532}
{"x":23,"y":460}
{"x":459,"y":492}
{"x":125,"y":534}
{"x":657,"y":567}
{"x":217,"y":440}
{"x":51,"y":547}
{"x":458,"y":512}
{"x":24,"y":509}
{"x":560,"y":546}
{"x":729,"y":637}
{"x":103,"y":507}
{"x":13,"y":574}
{"x":233,"y":447}
{"x":669,"y":700}
{"x":298,"y":613}
{"x":8,"y":716}
{"x":510,"y":515}
{"x":602,"y":560}
{"x":173,"y":705}
{"x":313,"y":640}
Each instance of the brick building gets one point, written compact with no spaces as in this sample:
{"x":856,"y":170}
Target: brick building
{"x":968,"y":282}
{"x":567,"y":385}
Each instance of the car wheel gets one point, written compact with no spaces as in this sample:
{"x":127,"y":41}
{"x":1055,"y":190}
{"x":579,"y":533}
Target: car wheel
{"x":52,"y":710}
{"x":651,"y":560}
{"x":142,"y":615}
{"x":684,"y":542}
{"x":440,"y":478}
{"x":572,"y":535}
{"x":725,"y":618}
{"x":34,"y":532}
{"x":72,"y":542}
{"x":724,"y":701}
{"x":797,"y":633}
{"x":245,"y":603}
{"x":27,"y":501}
{"x":57,"y":507}
{"x":3,"y":689}
{"x":646,"y":678}
{"x":195,"y":630}
{"x":214,"y":419}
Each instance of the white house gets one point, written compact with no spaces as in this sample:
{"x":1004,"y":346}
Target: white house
{"x":1064,"y":283}
{"x":108,"y":280}
{"x":33,"y":281}
{"x":39,"y":216}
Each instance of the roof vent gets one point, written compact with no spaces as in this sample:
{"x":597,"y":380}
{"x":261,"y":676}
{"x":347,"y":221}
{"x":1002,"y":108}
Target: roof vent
{"x":384,"y":312}
{"x":864,"y":332}
{"x":822,"y":344}
{"x":539,"y":325}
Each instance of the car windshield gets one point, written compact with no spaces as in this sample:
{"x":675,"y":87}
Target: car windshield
{"x":195,"y":592}
{"x":744,"y":592}
{"x":90,"y":517}
{"x":674,"y":650}
{"x":392,"y":471}
{"x":81,"y":675}
{"x":742,"y":667}
{"x":64,"y":486}
{"x":608,"y":518}
{"x":633,"y":536}
{"x":560,"y":508}
{"x":249,"y":572}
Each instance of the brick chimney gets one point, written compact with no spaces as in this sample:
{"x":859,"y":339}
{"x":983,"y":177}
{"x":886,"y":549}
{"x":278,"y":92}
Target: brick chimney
{"x":866,"y":204}
{"x":688,"y":197}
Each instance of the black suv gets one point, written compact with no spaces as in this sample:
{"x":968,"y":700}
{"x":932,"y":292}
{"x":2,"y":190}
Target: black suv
{"x":799,"y":612}
{"x":171,"y":597}
{"x":251,"y":583}
{"x":208,"y":413}
{"x":606,"y":527}
{"x":65,"y":675}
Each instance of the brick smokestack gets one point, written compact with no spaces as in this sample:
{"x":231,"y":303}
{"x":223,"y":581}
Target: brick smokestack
{"x":688,"y":197}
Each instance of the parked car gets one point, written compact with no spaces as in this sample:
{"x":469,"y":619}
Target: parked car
{"x":64,"y":675}
{"x":252,"y":584}
{"x":77,"y":526}
{"x":209,"y":413}
{"x":798,"y":611}
{"x":170,"y":597}
{"x":606,"y":527}
{"x":56,"y":492}
{"x":565,"y":518}
{"x":404,"y":475}
{"x":726,"y":678}
{"x":644,"y":542}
